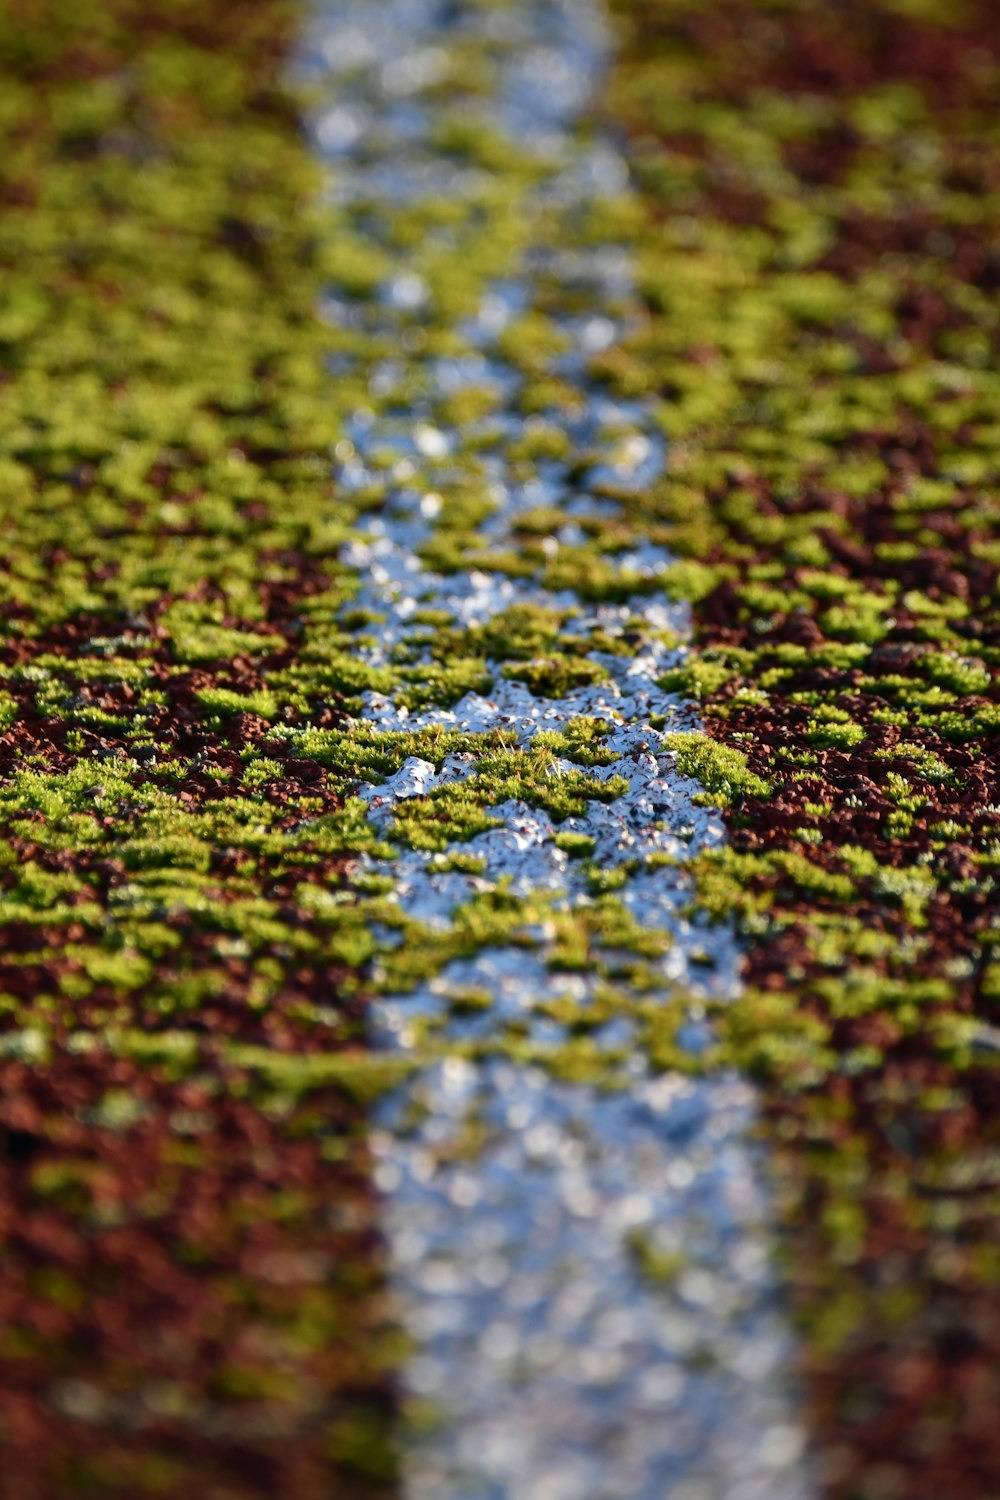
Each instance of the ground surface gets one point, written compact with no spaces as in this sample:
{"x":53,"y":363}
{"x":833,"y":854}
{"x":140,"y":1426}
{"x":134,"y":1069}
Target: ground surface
{"x":185,"y":1205}
{"x":200,"y":673}
{"x":821,"y":269}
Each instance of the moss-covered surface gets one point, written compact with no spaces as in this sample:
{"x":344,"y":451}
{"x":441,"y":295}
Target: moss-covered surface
{"x":819,"y":261}
{"x":189,"y":1274}
{"x":190,"y":1298}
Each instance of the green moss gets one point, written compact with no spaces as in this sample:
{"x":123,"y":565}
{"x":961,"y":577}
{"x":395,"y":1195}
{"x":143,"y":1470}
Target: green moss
{"x":450,"y":814}
{"x":721,"y":769}
{"x":698,"y":677}
{"x":576,"y":845}
{"x":224,"y":701}
{"x":555,"y":676}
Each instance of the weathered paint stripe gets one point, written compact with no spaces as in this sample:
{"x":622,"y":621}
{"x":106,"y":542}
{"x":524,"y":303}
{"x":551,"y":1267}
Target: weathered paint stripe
{"x":582,"y":1262}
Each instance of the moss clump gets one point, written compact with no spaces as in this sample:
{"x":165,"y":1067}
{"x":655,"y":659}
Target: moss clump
{"x":555,"y":676}
{"x":721,"y":769}
{"x":576,"y":845}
